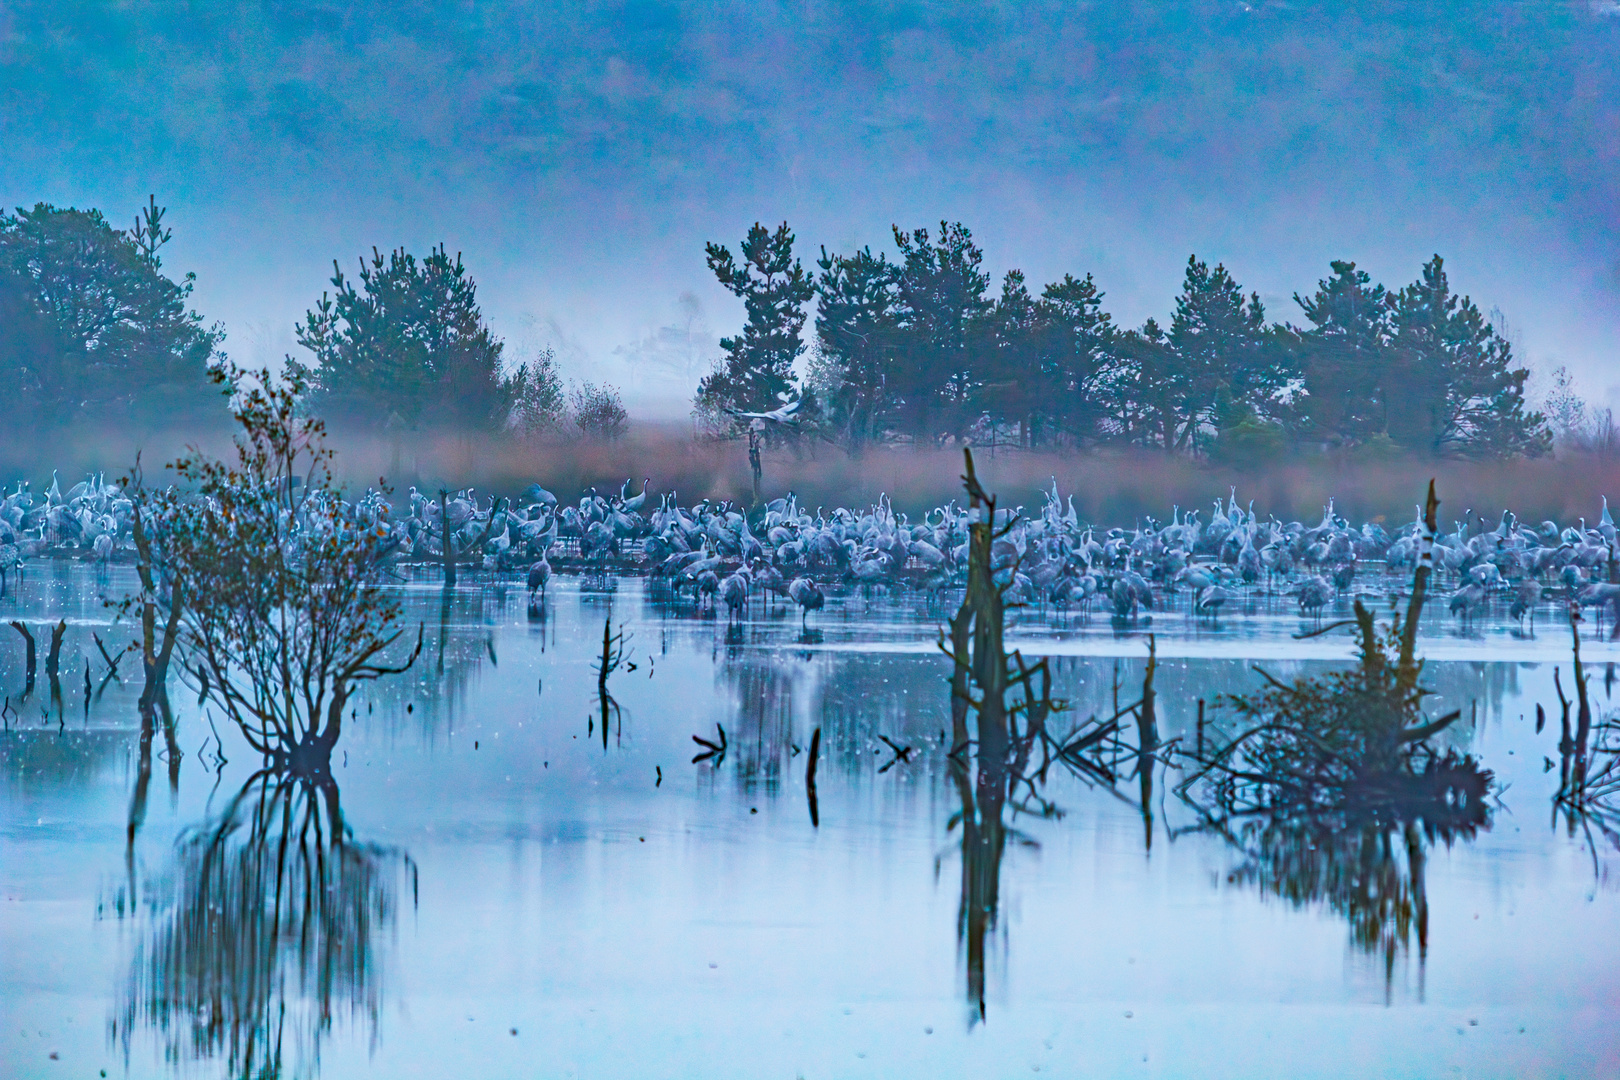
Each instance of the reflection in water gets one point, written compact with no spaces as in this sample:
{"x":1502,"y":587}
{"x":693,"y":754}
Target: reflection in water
{"x":1012,"y":706}
{"x":1333,"y":787}
{"x":984,"y":842}
{"x":269,"y":934}
{"x":1365,"y":864}
{"x":1588,"y":795}
{"x":612,"y":658}
{"x":150,"y":713}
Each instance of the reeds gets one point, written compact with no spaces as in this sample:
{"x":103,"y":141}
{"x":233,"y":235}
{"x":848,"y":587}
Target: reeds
{"x":1112,"y":485}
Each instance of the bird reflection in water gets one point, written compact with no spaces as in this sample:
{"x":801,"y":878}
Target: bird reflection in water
{"x":269,"y":933}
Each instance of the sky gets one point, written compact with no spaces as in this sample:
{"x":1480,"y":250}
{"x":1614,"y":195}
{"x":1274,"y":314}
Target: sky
{"x":579,"y":155}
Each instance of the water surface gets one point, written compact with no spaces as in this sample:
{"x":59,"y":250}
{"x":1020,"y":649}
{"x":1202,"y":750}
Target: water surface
{"x":517,"y":899}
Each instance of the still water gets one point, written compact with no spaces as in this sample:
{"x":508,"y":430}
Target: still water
{"x":517,"y":899}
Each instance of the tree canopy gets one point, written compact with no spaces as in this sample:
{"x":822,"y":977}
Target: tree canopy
{"x":90,"y":327}
{"x":919,"y":348}
{"x":756,"y":372}
{"x":407,"y":347}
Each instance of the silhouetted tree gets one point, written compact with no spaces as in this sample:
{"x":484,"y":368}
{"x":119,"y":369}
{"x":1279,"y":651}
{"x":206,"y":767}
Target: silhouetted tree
{"x":1471,"y":398}
{"x":1421,"y":369}
{"x":857,"y":325}
{"x":1011,"y":382}
{"x":756,"y":374}
{"x":1217,"y":342}
{"x":408,"y":346}
{"x":1078,"y":357}
{"x":942,"y":299}
{"x":1344,"y":359}
{"x":1139,"y":388}
{"x":91,"y":328}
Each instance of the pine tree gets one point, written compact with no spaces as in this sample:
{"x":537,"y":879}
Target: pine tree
{"x":1345,"y":361}
{"x":1473,"y":397}
{"x":408,"y":346}
{"x":1077,"y":356}
{"x":1013,"y":386}
{"x":1217,"y":342}
{"x":756,"y":373}
{"x":856,"y":338}
{"x":91,"y":328}
{"x":537,"y":395}
{"x":1140,"y":388}
{"x":942,"y":300}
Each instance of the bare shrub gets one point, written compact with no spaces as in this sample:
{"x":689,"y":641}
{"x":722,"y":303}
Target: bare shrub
{"x":598,"y":411}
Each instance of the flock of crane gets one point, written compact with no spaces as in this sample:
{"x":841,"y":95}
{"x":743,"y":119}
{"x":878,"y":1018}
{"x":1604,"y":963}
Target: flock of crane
{"x":1047,"y":555}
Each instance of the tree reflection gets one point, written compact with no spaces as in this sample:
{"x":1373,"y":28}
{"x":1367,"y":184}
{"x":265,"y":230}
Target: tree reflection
{"x":992,"y":761}
{"x":1364,"y":862}
{"x":269,"y":934}
{"x":984,"y":843}
{"x":1333,"y":786}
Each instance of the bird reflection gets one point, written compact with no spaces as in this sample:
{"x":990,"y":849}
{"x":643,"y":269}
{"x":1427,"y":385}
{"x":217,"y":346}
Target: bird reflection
{"x":269,"y":934}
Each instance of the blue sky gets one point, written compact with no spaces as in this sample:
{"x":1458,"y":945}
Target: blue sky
{"x":580,"y":154}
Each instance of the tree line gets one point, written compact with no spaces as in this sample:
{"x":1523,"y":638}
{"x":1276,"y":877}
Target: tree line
{"x":91,"y":329}
{"x":920,"y":348}
{"x":915,"y":347}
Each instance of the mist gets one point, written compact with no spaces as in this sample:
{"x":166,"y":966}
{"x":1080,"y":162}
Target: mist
{"x":580,"y":155}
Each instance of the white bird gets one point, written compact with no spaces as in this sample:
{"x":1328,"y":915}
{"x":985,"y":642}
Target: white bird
{"x":781,"y":415}
{"x":539,"y":574}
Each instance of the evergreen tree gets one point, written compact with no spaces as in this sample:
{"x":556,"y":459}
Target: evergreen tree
{"x":942,"y":299}
{"x":1078,"y":356}
{"x":1218,"y":342}
{"x":856,"y":337}
{"x":408,"y":346}
{"x":1011,"y":381}
{"x":1344,"y":358}
{"x":755,"y":375}
{"x":1471,"y":398}
{"x":90,"y":328}
{"x":537,"y":395}
{"x":1139,"y":388}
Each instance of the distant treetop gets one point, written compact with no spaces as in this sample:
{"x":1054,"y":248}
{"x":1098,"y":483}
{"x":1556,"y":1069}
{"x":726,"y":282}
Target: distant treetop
{"x":407,"y":347}
{"x":90,"y":327}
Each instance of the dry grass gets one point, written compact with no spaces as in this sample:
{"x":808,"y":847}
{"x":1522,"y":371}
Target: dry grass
{"x":1111,"y":486}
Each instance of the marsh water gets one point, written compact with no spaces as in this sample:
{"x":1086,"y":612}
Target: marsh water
{"x":517,"y":896}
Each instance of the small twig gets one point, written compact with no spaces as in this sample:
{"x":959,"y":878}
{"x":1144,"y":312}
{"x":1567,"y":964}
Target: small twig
{"x":717,"y":751}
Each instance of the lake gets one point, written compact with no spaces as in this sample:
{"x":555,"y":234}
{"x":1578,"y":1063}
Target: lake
{"x":518,"y":896}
